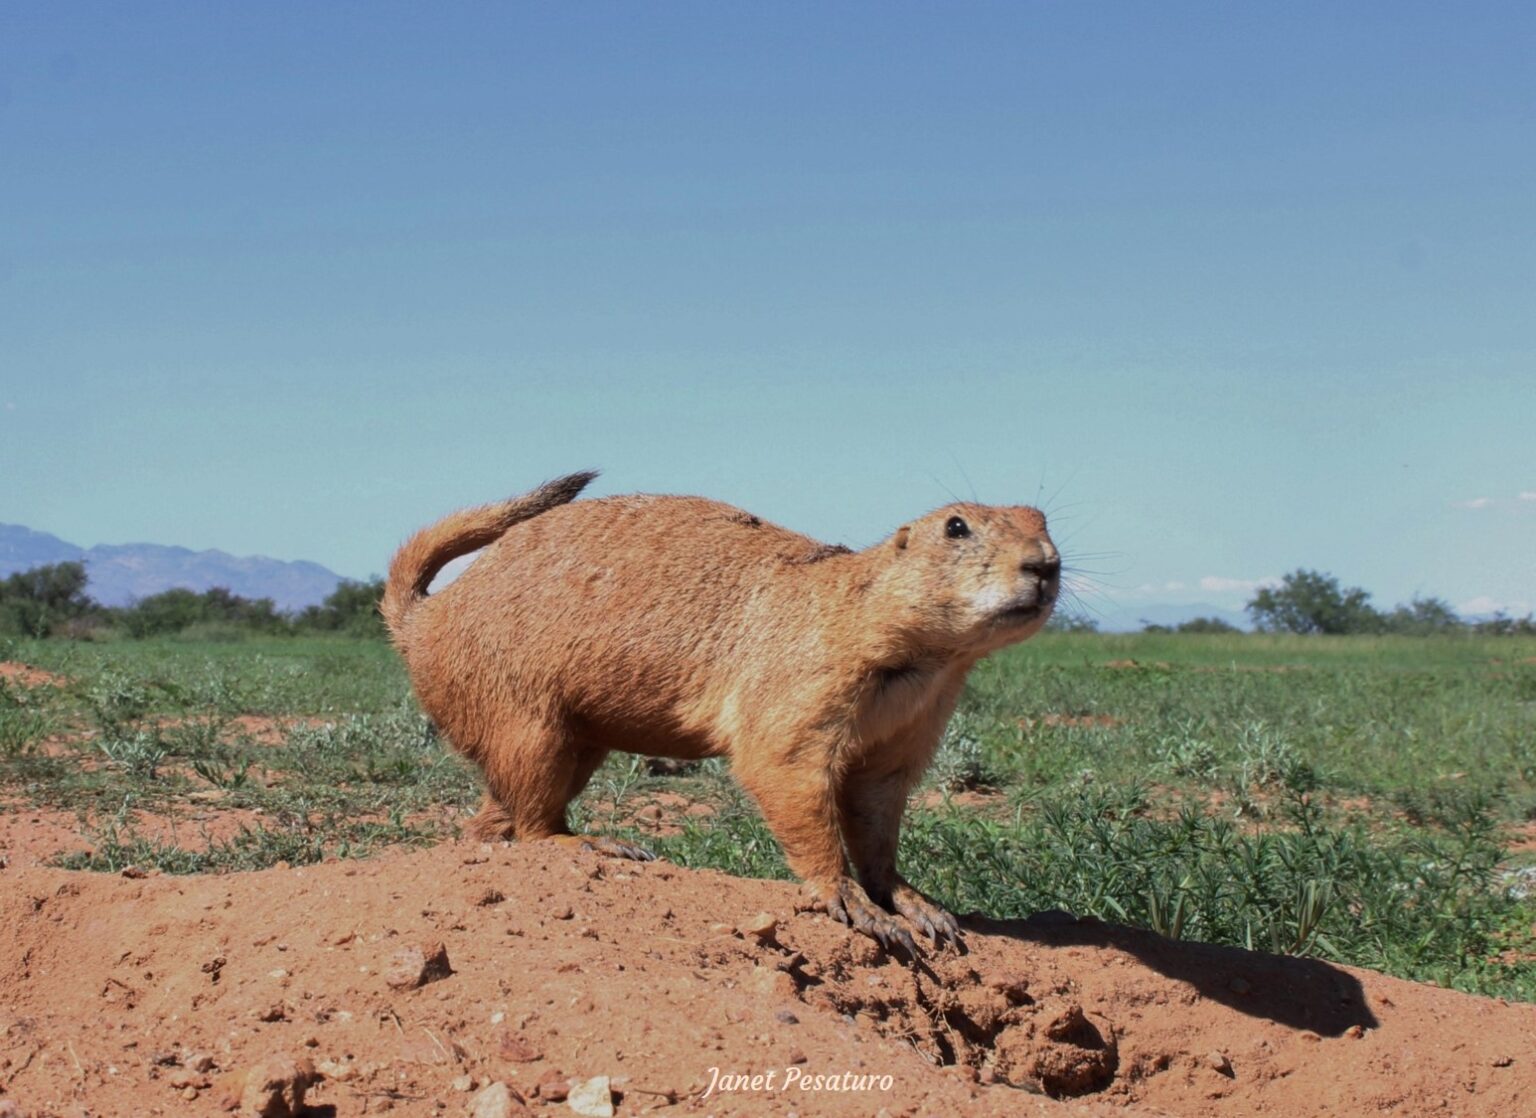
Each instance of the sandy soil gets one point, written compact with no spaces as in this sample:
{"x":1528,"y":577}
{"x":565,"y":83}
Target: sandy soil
{"x":166,"y":995}
{"x":24,"y":675}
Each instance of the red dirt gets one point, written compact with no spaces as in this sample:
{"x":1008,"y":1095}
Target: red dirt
{"x":568,"y":965}
{"x":33,"y":836}
{"x":28,"y":676}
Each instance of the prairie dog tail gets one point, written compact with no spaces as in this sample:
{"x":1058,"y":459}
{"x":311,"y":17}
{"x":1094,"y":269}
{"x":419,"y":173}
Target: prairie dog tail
{"x":419,"y":559}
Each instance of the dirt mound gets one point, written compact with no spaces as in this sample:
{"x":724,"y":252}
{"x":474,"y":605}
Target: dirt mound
{"x":651,"y":988}
{"x":25,"y":675}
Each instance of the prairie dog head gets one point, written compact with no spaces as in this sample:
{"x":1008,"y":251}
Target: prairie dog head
{"x":988,"y":576}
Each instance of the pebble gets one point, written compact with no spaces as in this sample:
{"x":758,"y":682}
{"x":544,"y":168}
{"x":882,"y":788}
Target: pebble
{"x":516,"y":1048}
{"x":592,"y":1098}
{"x":275,"y":1088}
{"x":463,"y":1083}
{"x":415,"y":966}
{"x":496,"y":1100}
{"x":183,"y":1078}
{"x":553,"y":1086}
{"x":1218,"y":1062}
{"x":761,"y":927}
{"x":337,"y":1071}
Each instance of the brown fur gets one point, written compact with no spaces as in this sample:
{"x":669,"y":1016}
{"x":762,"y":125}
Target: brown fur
{"x":682,"y":627}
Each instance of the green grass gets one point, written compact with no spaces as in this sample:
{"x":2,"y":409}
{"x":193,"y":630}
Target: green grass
{"x":1349,"y":798}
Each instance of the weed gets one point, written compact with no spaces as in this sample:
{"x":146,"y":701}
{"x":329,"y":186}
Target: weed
{"x":24,"y":719}
{"x":116,"y":702}
{"x":961,"y":762}
{"x":138,"y":754}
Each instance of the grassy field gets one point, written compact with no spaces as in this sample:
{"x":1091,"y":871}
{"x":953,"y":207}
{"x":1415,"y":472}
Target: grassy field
{"x":1365,"y":800}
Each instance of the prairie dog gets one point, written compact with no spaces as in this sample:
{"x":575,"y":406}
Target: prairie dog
{"x":683,"y":627}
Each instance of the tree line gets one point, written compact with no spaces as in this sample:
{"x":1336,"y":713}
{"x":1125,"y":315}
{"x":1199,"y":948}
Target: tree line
{"x":1314,"y":603}
{"x":52,"y":601}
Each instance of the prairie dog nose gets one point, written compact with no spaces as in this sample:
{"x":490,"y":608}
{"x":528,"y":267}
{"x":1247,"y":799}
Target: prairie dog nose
{"x":1044,"y":563}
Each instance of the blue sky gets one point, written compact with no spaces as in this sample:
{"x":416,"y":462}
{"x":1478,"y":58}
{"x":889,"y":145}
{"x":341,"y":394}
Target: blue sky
{"x":1228,"y":289}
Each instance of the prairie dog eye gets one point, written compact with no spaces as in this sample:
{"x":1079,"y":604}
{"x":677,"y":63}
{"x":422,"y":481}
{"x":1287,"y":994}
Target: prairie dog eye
{"x":956,"y":529}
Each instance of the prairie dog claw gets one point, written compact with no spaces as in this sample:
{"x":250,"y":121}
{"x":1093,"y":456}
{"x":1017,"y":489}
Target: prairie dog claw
{"x":847,"y":902}
{"x":931,"y":919}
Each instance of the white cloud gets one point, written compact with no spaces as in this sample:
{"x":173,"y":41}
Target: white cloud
{"x":1475,"y":503}
{"x":1216,"y":584}
{"x":1155,"y":588}
{"x":1483,"y":605}
{"x":1528,"y":495}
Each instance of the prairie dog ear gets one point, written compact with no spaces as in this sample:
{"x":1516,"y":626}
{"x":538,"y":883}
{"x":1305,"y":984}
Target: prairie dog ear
{"x":900,"y":538}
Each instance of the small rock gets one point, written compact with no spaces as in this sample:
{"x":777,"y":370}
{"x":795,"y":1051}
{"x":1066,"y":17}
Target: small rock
{"x":200,"y":1062}
{"x":1355,"y":1031}
{"x":1503,"y":1061}
{"x":785,"y":1017}
{"x":1218,"y":1062}
{"x":415,"y":966}
{"x":135,"y":872}
{"x":463,"y":1083}
{"x":516,"y":1048}
{"x":796,"y":1056}
{"x":277,"y":1011}
{"x":761,"y":928}
{"x":553,"y":1086}
{"x":275,"y":1088}
{"x":338,"y":1071}
{"x":592,"y":1098}
{"x":490,"y":897}
{"x":1309,"y":1036}
{"x":561,"y":912}
{"x":722,"y":930}
{"x":9,"y":1109}
{"x":183,"y":1078}
{"x":496,"y":1100}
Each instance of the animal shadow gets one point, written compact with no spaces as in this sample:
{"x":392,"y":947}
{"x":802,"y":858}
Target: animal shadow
{"x":1297,"y":992}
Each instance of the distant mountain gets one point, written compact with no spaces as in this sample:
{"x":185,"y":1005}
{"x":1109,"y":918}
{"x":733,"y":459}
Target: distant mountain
{"x":120,"y":573}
